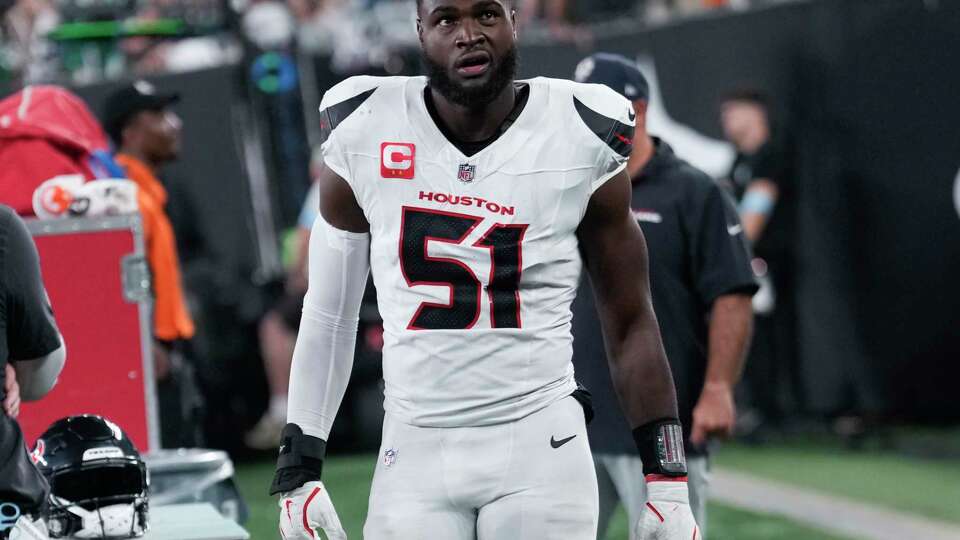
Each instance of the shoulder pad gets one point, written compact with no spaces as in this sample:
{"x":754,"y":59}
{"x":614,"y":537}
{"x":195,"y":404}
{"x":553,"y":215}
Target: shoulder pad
{"x":607,"y":114}
{"x":343,"y":99}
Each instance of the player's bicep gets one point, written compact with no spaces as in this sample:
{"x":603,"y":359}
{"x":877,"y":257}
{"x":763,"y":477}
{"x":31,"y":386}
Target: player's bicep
{"x":338,"y":203}
{"x":614,"y":249}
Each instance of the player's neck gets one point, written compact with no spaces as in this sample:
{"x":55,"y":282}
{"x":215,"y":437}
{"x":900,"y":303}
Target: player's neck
{"x":472,"y":124}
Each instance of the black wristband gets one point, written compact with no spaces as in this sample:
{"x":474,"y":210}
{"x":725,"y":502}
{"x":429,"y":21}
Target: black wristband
{"x":300,"y":460}
{"x":661,"y":447}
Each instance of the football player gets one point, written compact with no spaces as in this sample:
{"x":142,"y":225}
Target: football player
{"x":476,"y":199}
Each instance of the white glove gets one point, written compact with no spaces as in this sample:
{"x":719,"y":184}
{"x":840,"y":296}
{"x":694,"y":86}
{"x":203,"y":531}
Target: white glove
{"x":667,"y":515}
{"x":306,"y":510}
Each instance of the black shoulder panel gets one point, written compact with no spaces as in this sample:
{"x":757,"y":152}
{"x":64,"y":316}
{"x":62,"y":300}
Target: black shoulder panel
{"x":331,"y":117}
{"x":617,"y":135}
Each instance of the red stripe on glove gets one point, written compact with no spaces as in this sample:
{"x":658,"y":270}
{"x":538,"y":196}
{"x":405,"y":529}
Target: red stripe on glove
{"x":307,"y":505}
{"x":654,"y":510}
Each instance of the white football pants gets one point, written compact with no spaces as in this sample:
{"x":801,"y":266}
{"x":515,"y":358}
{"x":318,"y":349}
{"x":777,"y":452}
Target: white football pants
{"x":530,"y":479}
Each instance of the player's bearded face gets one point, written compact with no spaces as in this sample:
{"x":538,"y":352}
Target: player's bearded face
{"x":472,"y":92}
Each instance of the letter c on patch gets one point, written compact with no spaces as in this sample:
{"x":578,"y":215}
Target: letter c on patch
{"x":397,"y":160}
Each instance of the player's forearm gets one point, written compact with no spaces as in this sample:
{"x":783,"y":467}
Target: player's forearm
{"x":731,"y":324}
{"x":644,"y":384}
{"x":640,"y":371}
{"x":320,"y":372}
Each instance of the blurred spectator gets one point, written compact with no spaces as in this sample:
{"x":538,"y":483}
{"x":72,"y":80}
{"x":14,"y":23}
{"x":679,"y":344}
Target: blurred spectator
{"x":48,"y":132}
{"x":279,"y":327}
{"x":30,"y":55}
{"x":269,"y":25}
{"x":556,"y":15}
{"x":147,"y":135}
{"x":552,"y":11}
{"x":762,"y":181}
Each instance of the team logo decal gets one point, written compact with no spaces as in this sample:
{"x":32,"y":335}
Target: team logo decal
{"x":397,"y":160}
{"x":37,"y":455}
{"x":466,"y":173}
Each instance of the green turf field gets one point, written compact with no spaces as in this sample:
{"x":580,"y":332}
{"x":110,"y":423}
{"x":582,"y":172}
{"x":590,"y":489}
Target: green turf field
{"x":929,"y":487}
{"x":348,"y":479}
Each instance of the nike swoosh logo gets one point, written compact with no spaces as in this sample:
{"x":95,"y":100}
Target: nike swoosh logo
{"x":734,"y":230}
{"x":632,"y":115}
{"x":557,"y":444}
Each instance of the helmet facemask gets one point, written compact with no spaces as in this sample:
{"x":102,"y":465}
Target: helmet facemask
{"x":103,"y":498}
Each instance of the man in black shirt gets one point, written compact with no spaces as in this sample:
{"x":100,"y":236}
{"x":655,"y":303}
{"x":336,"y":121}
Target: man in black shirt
{"x":701,"y":285}
{"x":31,"y":343}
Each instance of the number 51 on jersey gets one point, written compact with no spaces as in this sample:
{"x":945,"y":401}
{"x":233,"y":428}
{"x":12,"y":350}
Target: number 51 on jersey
{"x":419,"y":227}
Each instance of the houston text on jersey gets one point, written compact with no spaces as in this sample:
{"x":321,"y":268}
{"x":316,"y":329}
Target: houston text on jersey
{"x":462,"y":200}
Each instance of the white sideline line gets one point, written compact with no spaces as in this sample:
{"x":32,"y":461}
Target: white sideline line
{"x":826,"y":512}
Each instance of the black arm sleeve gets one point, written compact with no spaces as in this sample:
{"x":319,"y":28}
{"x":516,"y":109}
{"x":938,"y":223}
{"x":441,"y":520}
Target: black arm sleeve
{"x":31,"y":331}
{"x":721,"y":258}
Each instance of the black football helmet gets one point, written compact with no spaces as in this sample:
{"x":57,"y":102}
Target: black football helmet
{"x":98,"y":482}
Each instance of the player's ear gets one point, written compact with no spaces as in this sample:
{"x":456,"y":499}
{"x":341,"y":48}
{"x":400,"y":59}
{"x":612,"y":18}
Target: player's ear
{"x":513,"y":21}
{"x":420,"y":30}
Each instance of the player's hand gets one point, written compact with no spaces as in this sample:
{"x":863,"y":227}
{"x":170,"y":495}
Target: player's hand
{"x":11,"y":389}
{"x":714,"y":414}
{"x":306,"y":510}
{"x":667,"y":515}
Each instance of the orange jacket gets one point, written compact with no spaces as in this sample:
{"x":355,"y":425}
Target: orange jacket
{"x":171,"y":320}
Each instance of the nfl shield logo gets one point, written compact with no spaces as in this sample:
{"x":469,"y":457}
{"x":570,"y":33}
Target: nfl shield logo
{"x":389,"y":457}
{"x":466,"y":173}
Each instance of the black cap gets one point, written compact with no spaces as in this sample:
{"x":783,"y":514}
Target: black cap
{"x":615,"y":71}
{"x":129,"y":100}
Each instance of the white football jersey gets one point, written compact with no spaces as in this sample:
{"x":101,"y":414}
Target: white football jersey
{"x":475,"y":258}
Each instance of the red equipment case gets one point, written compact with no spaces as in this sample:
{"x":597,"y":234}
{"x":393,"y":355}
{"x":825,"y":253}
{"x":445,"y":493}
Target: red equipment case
{"x":96,"y":275}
